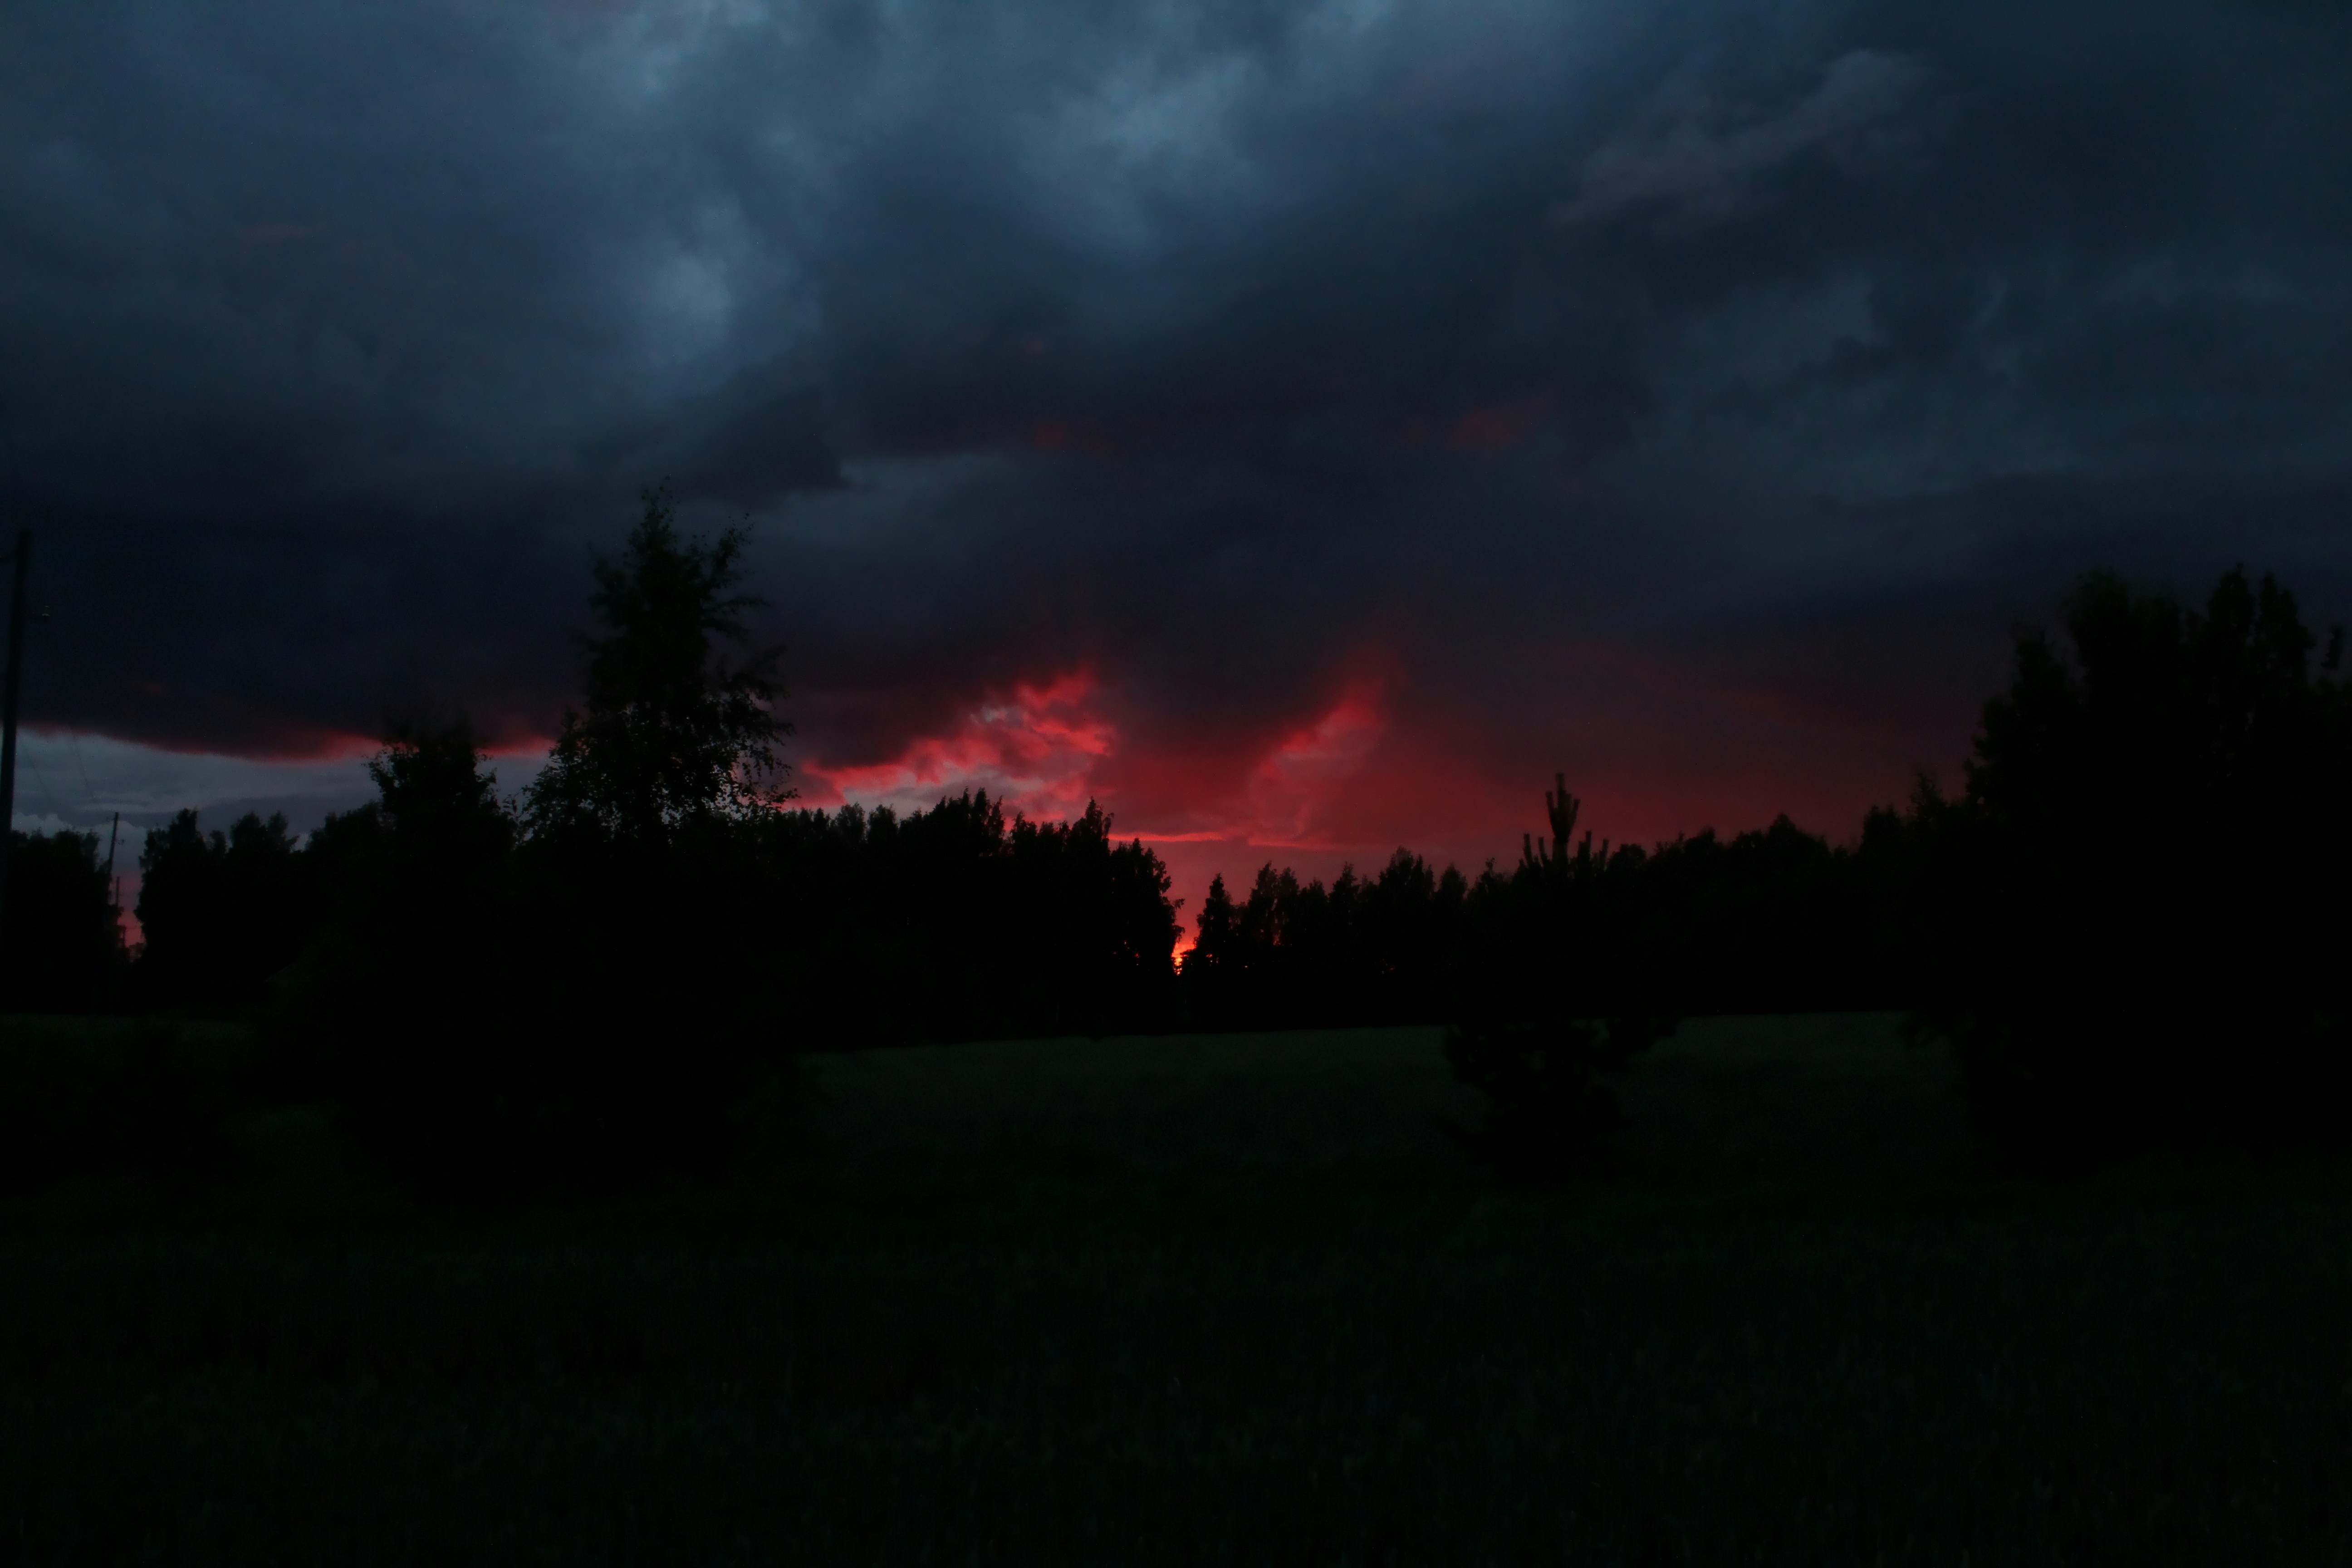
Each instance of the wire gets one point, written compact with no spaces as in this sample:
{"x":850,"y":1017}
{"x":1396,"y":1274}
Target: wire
{"x":42,"y":780}
{"x":88,"y":795}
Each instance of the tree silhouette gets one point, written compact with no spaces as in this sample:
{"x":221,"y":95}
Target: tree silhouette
{"x":221,"y":913}
{"x":1103,"y":926}
{"x":424,"y":1008}
{"x":651,"y":930}
{"x":61,"y":948}
{"x":2147,"y":886}
{"x":1564,"y":993}
{"x":671,"y":733}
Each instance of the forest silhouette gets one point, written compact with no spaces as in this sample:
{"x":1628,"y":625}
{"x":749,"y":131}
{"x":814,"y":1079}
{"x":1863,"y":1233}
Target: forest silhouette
{"x":2129,"y":924}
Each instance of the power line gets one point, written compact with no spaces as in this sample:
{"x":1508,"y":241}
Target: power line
{"x":88,"y":795}
{"x":48,"y":794}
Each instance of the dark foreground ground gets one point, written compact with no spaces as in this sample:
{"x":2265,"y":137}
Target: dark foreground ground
{"x":1213,"y":1300}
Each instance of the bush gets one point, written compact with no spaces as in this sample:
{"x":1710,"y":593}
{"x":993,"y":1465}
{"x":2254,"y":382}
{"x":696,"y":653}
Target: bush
{"x":111,"y":1098}
{"x":1548,"y":1110}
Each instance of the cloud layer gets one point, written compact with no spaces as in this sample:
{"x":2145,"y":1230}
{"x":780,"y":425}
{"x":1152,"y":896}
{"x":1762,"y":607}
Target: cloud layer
{"x":1300,"y":425}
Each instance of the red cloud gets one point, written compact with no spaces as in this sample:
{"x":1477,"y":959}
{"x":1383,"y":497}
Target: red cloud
{"x":1307,"y":795}
{"x":1034,"y":748}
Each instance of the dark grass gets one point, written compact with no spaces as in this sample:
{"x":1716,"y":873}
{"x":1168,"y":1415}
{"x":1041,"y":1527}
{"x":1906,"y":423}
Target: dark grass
{"x":1210,"y":1300}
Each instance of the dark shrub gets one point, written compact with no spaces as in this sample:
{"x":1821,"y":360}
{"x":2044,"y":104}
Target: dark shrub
{"x":1547,"y":1107}
{"x":107,"y":1098}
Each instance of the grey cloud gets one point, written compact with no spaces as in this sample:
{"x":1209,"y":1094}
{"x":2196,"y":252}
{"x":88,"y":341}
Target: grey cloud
{"x":1207,"y":346}
{"x":1683,"y":175}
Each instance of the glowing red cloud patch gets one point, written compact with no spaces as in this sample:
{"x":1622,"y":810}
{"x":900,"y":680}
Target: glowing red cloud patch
{"x":1036,"y":749}
{"x":1048,"y":748}
{"x":1323,"y":793}
{"x":1291,"y":789}
{"x":1301,"y":786}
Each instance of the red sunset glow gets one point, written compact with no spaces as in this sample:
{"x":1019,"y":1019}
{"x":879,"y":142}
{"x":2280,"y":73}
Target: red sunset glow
{"x":1366,"y":771}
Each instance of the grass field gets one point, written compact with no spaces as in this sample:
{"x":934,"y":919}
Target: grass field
{"x":1717,"y":1095}
{"x":1222,"y":1300}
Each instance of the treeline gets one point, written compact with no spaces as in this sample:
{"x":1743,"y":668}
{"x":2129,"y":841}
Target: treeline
{"x":2131,"y":922}
{"x":1777,"y":920}
{"x":956,"y":922}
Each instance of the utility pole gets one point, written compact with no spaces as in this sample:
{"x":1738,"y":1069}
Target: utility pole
{"x":8,"y":711}
{"x":107,"y":991}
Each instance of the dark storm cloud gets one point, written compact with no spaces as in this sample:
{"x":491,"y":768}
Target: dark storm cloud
{"x":1242,"y":355}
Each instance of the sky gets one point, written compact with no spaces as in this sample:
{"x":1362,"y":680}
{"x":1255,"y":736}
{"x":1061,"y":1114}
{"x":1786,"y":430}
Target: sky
{"x":1305,"y":428}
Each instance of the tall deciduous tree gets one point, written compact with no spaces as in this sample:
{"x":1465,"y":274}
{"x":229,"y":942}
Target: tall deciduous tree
{"x":672,"y":732}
